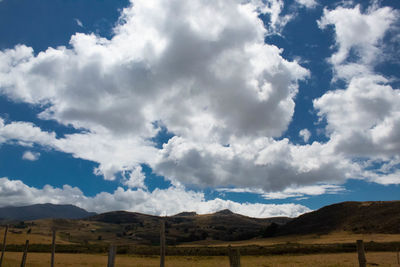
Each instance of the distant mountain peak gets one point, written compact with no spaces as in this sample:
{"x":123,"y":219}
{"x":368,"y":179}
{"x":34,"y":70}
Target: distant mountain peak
{"x":224,"y":212}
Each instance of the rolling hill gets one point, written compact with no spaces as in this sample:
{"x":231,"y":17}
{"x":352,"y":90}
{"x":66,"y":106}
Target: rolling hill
{"x":188,"y":226}
{"x":125,"y":228}
{"x":356,"y":217}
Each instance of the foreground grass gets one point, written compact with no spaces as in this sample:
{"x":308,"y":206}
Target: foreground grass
{"x":249,"y":250}
{"x":94,"y":260}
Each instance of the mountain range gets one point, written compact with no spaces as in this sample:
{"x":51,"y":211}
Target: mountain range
{"x":43,"y":211}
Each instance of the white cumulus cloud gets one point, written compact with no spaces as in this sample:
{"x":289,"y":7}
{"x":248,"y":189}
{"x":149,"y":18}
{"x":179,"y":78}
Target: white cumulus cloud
{"x":258,"y":163}
{"x":358,"y":37}
{"x":308,"y":3}
{"x":113,"y":154}
{"x":305,"y":134}
{"x":134,"y":178}
{"x":363,"y":117}
{"x":200,"y":69}
{"x":31,"y":156}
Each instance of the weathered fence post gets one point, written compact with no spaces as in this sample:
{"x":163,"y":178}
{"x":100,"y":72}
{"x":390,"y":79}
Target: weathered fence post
{"x":162,"y":244}
{"x":53,"y":247}
{"x":398,"y":256}
{"x":111,"y":255}
{"x":361,"y":254}
{"x":4,"y":245}
{"x":23,"y":261}
{"x":234,"y":257}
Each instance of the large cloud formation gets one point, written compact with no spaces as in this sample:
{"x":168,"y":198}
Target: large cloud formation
{"x":201,"y":70}
{"x":160,"y":202}
{"x":364,"y":118}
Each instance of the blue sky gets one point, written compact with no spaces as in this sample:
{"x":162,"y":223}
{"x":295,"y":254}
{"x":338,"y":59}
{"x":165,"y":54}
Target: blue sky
{"x":267,"y":108}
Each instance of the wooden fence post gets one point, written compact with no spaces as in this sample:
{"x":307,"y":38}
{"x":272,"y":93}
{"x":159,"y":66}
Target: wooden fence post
{"x":234,"y":257}
{"x":111,"y":255}
{"x":4,"y":245}
{"x":398,"y":256}
{"x":162,"y":244}
{"x":53,"y":247}
{"x":23,"y":261}
{"x":361,"y":254}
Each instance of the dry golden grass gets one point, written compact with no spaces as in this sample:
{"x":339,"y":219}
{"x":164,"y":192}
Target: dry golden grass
{"x":19,"y":239}
{"x":13,"y":259}
{"x":90,"y":260}
{"x":68,"y":232}
{"x":37,"y":236}
{"x":332,"y":238}
{"x":342,"y":259}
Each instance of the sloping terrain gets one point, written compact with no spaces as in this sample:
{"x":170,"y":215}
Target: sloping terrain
{"x":356,"y":217}
{"x":351,"y":220}
{"x":43,"y":211}
{"x":188,"y":226}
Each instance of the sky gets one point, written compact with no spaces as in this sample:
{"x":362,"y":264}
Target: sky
{"x":264,"y":107}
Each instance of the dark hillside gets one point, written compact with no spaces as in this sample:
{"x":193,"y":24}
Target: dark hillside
{"x":121,"y":217}
{"x":43,"y":211}
{"x":189,"y":226}
{"x":357,"y":217}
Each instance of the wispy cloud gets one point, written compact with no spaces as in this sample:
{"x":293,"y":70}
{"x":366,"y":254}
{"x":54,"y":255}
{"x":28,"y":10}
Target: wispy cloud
{"x":304,"y":192}
{"x":291,"y":192}
{"x":79,"y":23}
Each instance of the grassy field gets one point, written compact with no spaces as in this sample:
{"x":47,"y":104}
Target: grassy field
{"x":13,"y":259}
{"x":68,"y":232}
{"x":332,"y":238}
{"x":339,"y":242}
{"x":77,"y":232}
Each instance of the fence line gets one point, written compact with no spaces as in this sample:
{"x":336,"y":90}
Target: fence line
{"x":233,"y":254}
{"x":25,"y":254}
{"x":162,"y":244}
{"x":111,"y":255}
{"x":53,"y":247}
{"x":234,"y":257}
{"x":361,"y":253}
